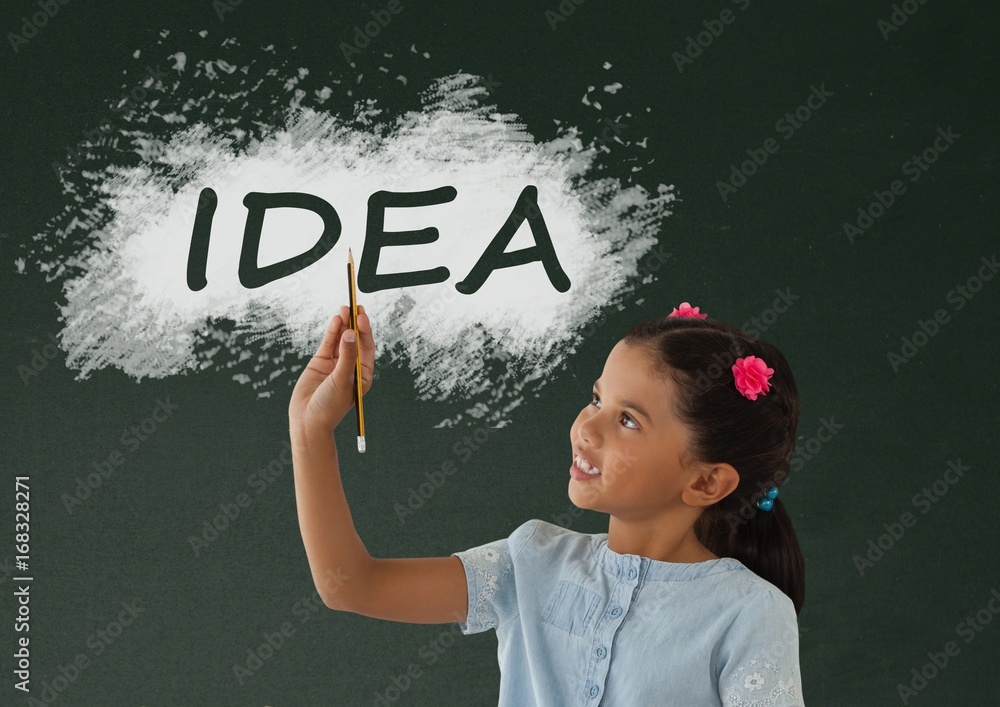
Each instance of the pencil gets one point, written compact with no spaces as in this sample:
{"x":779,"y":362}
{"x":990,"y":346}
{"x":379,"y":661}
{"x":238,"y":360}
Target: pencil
{"x":352,"y":295}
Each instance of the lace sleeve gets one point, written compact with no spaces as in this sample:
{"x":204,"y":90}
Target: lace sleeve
{"x":487,"y":569}
{"x":759,"y":656}
{"x":489,"y":572}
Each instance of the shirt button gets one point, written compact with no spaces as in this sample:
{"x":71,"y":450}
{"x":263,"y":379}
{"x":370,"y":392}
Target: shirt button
{"x":601,"y":652}
{"x":593,"y":691}
{"x":616,"y":612}
{"x":632,"y":573}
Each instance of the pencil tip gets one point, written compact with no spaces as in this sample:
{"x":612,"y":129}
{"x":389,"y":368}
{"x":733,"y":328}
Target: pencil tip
{"x":350,"y":257}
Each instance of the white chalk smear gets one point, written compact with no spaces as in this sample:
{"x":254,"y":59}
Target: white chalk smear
{"x":128,"y":305}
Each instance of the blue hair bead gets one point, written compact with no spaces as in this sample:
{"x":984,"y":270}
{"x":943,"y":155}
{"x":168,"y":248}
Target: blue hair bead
{"x":766,"y":502}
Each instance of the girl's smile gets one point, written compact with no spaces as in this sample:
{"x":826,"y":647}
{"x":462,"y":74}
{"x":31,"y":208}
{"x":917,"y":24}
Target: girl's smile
{"x":579,"y":473}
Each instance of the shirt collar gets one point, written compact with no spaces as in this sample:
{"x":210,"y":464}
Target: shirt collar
{"x":619,"y":565}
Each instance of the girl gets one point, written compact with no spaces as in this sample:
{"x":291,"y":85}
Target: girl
{"x":690,"y":598}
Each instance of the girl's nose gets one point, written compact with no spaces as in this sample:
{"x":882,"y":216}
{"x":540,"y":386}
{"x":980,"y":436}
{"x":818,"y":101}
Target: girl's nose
{"x":588,"y":431}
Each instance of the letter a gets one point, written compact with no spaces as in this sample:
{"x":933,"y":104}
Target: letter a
{"x":495,"y":257}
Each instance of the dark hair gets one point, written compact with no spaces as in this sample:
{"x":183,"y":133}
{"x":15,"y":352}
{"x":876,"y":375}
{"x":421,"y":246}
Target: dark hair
{"x":756,"y":437}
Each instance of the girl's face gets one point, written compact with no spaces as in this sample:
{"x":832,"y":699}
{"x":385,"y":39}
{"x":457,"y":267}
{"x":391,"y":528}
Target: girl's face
{"x":630,"y":433}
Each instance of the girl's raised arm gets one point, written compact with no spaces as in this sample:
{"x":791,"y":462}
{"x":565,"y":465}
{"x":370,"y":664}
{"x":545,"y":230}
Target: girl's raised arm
{"x":347,"y":578}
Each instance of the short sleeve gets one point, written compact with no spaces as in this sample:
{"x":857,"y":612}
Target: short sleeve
{"x":489,"y":573}
{"x":759,"y":655}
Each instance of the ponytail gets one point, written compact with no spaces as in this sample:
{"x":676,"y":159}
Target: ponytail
{"x":756,"y":437}
{"x":765,"y":543}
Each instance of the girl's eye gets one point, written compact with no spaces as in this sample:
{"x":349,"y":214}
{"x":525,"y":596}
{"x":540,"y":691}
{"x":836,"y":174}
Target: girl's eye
{"x":625,"y":415}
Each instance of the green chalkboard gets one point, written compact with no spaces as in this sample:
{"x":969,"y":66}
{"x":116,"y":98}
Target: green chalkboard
{"x":834,"y":168}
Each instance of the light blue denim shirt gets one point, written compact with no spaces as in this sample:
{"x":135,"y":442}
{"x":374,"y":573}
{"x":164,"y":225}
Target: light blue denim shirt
{"x":580,"y":624}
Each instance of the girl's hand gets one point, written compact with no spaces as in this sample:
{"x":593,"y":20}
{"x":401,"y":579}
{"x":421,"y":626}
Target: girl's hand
{"x":324,"y":393}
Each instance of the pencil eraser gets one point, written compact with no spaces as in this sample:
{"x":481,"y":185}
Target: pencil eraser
{"x":361,"y":444}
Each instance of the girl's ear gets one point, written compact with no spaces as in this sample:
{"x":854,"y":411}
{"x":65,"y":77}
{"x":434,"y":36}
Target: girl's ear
{"x":712,"y":484}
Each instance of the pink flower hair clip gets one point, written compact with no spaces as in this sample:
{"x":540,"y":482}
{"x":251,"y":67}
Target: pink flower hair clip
{"x":686,"y":310}
{"x":752,"y":376}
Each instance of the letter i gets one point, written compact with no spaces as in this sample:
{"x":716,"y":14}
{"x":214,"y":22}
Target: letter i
{"x":200,"y":236}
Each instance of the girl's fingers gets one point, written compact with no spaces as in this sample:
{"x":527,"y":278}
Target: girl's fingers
{"x":367,"y":348}
{"x":331,"y":338}
{"x":365,"y":331}
{"x":340,"y":322}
